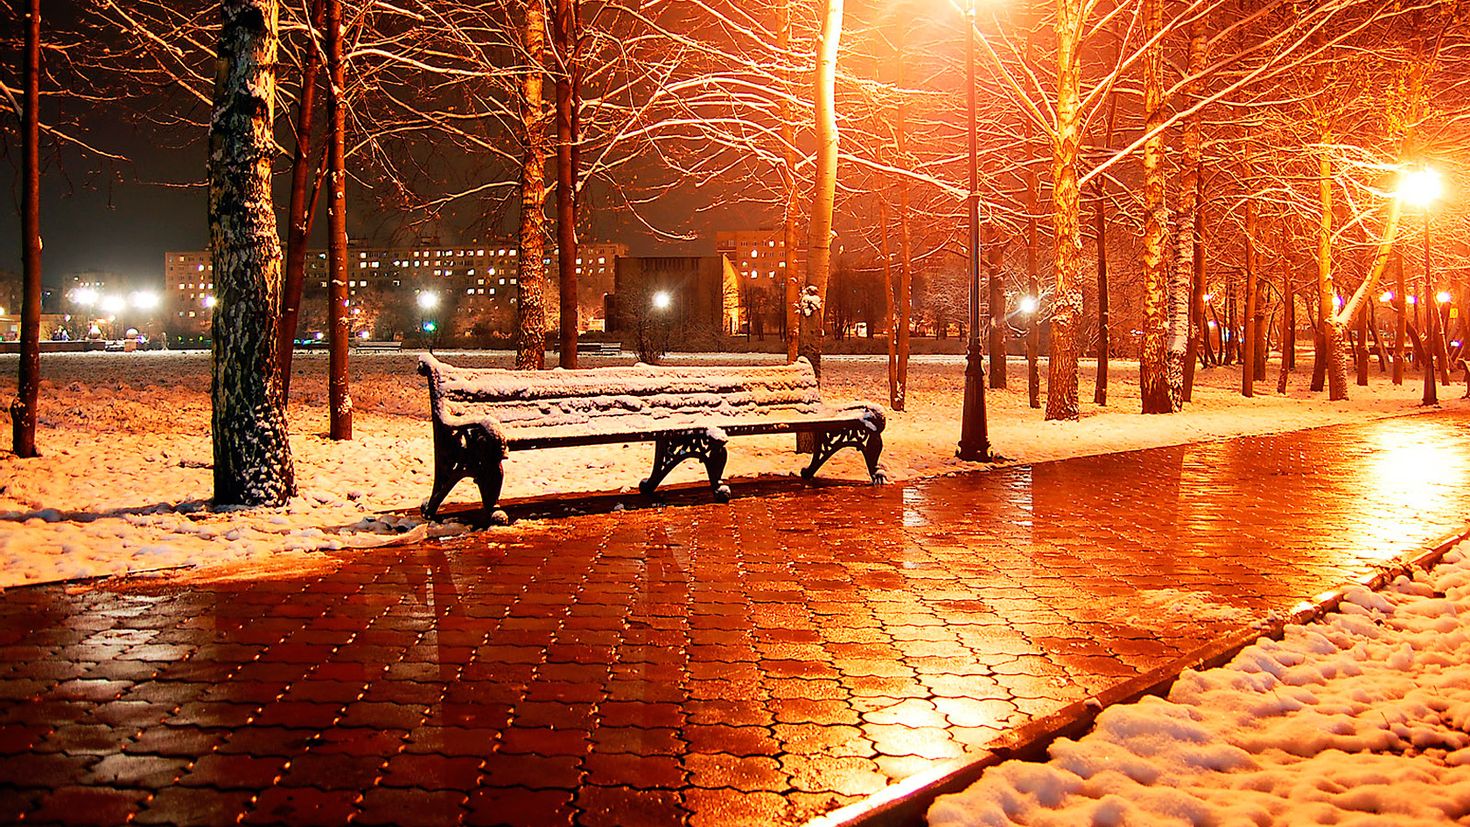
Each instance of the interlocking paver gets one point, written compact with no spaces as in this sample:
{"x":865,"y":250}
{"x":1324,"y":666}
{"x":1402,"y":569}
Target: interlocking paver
{"x":760,"y":662}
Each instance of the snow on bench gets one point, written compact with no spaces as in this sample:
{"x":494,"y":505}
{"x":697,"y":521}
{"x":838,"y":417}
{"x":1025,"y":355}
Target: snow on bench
{"x":481,"y":414}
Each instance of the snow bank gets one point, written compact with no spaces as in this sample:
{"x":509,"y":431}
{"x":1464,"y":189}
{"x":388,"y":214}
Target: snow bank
{"x":1361,"y":718}
{"x":124,"y":479}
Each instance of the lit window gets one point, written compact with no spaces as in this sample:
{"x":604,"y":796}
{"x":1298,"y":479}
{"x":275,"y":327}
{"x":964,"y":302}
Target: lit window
{"x":201,"y":268}
{"x":602,"y":259}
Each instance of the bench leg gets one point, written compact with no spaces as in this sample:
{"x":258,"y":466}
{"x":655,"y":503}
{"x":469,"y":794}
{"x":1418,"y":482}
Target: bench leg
{"x":669,"y":452}
{"x":714,"y":467}
{"x":443,"y":483}
{"x":489,"y":481}
{"x":830,"y":442}
{"x":872,"y":450}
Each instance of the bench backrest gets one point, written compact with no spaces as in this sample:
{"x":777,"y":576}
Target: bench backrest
{"x":605,"y":396}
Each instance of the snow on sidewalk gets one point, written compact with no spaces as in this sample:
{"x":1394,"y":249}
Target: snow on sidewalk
{"x":1360,"y":718}
{"x":125,"y":476}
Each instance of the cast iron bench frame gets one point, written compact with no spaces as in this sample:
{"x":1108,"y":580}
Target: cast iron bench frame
{"x":477,"y":450}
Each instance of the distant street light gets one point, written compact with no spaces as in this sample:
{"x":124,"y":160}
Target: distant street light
{"x":1027,"y":305}
{"x":144,"y":300}
{"x":427,"y":301}
{"x":1420,"y":188}
{"x":662,"y":300}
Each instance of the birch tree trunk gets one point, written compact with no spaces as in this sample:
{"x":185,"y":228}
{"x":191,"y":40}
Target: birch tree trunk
{"x":1189,"y":252}
{"x":28,"y":387}
{"x":1061,"y":380}
{"x":302,"y":209}
{"x":819,"y":227}
{"x":252,"y":454}
{"x":531,"y":263}
{"x":1160,"y":393}
{"x":1332,"y":332}
{"x":339,"y":400}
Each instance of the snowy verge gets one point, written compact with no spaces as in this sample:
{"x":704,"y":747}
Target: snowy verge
{"x":125,"y":474}
{"x":1360,"y":718}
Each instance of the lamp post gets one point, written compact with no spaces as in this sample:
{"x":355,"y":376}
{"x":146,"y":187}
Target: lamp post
{"x":427,"y":301}
{"x":974,"y":439}
{"x":1421,"y":188}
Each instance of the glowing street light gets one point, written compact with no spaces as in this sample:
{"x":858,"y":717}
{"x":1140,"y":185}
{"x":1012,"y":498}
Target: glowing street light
{"x":144,"y":300}
{"x":1027,"y":305}
{"x":662,"y":300}
{"x":1421,"y":187}
{"x":428,"y":300}
{"x":1443,"y":297}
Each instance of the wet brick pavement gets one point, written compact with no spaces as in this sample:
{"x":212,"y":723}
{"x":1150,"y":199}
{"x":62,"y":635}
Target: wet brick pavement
{"x":756,"y":663}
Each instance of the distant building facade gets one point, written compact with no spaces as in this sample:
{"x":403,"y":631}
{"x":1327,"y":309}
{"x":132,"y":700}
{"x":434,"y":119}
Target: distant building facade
{"x":476,"y":286}
{"x":694,"y":296}
{"x":760,"y":259}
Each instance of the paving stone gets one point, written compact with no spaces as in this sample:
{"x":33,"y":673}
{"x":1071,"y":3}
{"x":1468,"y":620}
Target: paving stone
{"x":100,"y":805}
{"x":410,"y":808}
{"x":304,"y":806}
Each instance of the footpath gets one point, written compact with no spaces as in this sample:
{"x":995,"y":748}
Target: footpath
{"x":761,"y":662}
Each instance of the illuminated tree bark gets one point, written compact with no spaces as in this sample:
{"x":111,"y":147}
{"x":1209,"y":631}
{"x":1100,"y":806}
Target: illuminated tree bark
{"x":339,"y":400}
{"x":1061,"y":397}
{"x":819,"y":227}
{"x":531,"y":263}
{"x":1160,"y":389}
{"x":1189,"y":241}
{"x":791,"y":278}
{"x":252,"y":454}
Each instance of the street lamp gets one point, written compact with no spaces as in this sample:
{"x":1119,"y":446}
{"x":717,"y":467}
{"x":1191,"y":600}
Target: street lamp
{"x":427,"y":301}
{"x":1420,"y":188}
{"x":974,"y":439}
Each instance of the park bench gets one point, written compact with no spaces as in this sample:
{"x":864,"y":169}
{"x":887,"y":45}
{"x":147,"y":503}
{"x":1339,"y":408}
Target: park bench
{"x":482,"y":414}
{"x":600,"y":348}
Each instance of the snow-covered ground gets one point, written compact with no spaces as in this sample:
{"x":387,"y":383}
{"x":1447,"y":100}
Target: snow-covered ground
{"x":1362,"y":718}
{"x":124,"y":480}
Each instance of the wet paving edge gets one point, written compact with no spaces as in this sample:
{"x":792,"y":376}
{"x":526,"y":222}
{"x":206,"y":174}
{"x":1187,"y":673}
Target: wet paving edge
{"x":905,"y":804}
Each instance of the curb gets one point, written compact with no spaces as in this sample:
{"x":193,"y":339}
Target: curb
{"x":904,"y":804}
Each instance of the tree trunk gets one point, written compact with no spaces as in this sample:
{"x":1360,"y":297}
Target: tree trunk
{"x":1100,"y":224}
{"x":531,"y":263}
{"x":1253,"y":304}
{"x":28,"y":386}
{"x":1360,"y":353}
{"x":252,"y":452}
{"x":1331,"y":331}
{"x":791,"y":238}
{"x":895,"y":400}
{"x":1033,"y":282}
{"x":302,"y":210}
{"x":1401,"y":314}
{"x":819,"y":227}
{"x":1189,"y":257}
{"x":905,"y":291}
{"x":566,"y":180}
{"x":338,"y":398}
{"x":1100,"y":388}
{"x":1159,"y":391}
{"x":996,"y":318}
{"x":1061,"y":379}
